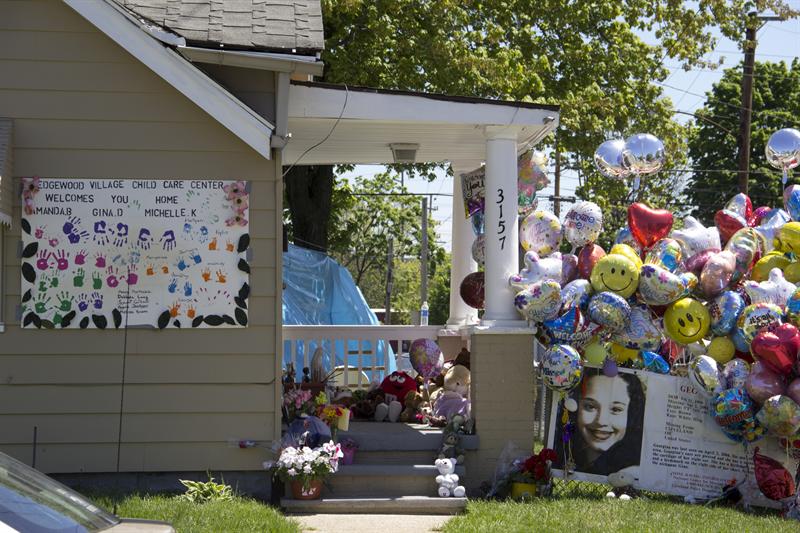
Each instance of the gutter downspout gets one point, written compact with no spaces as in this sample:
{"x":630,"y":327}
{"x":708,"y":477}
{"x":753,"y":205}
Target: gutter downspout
{"x":281,"y":136}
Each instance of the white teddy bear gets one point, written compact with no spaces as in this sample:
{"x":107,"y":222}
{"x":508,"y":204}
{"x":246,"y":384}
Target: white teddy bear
{"x":448,"y":479}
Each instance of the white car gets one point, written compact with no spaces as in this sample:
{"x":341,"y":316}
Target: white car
{"x":31,"y":502}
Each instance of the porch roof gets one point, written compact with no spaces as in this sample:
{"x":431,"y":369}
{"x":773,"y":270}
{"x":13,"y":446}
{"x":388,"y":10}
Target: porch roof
{"x":363,"y":122}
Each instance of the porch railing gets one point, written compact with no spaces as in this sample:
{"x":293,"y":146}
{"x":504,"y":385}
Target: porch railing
{"x":359,"y":353}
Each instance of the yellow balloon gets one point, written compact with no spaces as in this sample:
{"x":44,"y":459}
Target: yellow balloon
{"x":622,"y":354}
{"x":767,"y":263}
{"x":721,"y":349}
{"x":686,"y":321}
{"x":595,"y":353}
{"x":792,"y":272}
{"x":789,"y":237}
{"x":627,"y":251}
{"x":615,"y":273}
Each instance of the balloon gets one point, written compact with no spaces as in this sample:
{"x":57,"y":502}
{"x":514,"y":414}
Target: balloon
{"x":622,"y":354}
{"x":780,"y":415}
{"x":643,"y":153}
{"x":629,"y":252}
{"x":615,"y":273}
{"x":757,"y":316}
{"x":570,"y":328}
{"x":562,"y":368}
{"x":583,"y":223}
{"x":696,"y":238}
{"x":733,"y":411}
{"x":537,"y":269}
{"x":655,"y":363}
{"x":704,"y":372}
{"x":624,"y":236}
{"x":791,"y":201}
{"x":576,"y":293}
{"x":792,"y":272}
{"x":777,"y":348}
{"x":783,"y":149}
{"x":734,"y":374}
{"x":724,"y":311}
{"x":609,"y":310}
{"x":774,"y":481}
{"x":771,"y":225}
{"x":728,"y":223}
{"x":717,"y":273}
{"x":595,"y":353}
{"x":540,"y":232}
{"x":763,"y":383}
{"x":477,"y":223}
{"x":665,"y":253}
{"x":587,"y":258}
{"x":640,"y":332}
{"x":531,"y":177}
{"x":776,"y":290}
{"x":569,"y":268}
{"x":793,"y":308}
{"x":721,"y":349}
{"x":744,"y":245}
{"x":608,"y":159}
{"x":526,"y":199}
{"x":478,"y":248}
{"x":648,"y":225}
{"x":686,"y":321}
{"x":426,"y":358}
{"x":772,"y":260}
{"x":540,"y":301}
{"x":793,"y":390}
{"x":789,"y":237}
{"x":659,"y":286}
{"x":758,"y":215}
{"x":742,"y":345}
{"x":697,"y":262}
{"x":472,"y":289}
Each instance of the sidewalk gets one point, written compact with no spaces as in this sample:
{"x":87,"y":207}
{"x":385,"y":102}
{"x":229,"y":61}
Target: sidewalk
{"x":369,"y":523}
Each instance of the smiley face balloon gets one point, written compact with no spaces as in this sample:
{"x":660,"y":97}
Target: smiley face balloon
{"x":686,"y":321}
{"x":615,"y":273}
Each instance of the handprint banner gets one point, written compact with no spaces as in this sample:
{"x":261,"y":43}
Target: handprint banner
{"x":109,"y":253}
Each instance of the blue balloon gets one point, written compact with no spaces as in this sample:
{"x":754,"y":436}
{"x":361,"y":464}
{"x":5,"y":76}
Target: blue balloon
{"x":725,"y":310}
{"x":655,"y":363}
{"x":477,"y":223}
{"x":576,"y":292}
{"x":739,"y":341}
{"x":791,"y":201}
{"x":609,"y":310}
{"x":570,"y":328}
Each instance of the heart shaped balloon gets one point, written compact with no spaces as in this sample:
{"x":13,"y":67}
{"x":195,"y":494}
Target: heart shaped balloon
{"x":762,"y":383}
{"x":728,"y":223}
{"x":774,"y":481}
{"x":587,"y":257}
{"x":758,"y":215}
{"x":648,"y":225}
{"x":778,"y":348}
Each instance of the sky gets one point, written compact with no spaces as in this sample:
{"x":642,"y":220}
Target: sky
{"x":777,"y":41}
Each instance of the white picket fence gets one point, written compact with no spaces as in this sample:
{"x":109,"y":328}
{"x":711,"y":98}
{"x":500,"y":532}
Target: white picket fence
{"x":358,"y":352}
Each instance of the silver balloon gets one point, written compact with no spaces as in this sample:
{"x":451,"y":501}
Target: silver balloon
{"x":643,"y":154}
{"x":783,"y":149}
{"x":478,"y":247}
{"x":704,"y":372}
{"x":608,"y":159}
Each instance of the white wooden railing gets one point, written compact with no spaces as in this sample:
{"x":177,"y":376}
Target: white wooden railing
{"x":348,"y":346}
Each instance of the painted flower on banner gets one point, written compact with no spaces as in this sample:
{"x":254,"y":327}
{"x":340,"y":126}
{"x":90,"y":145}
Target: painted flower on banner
{"x":30,"y":188}
{"x":237,"y":189}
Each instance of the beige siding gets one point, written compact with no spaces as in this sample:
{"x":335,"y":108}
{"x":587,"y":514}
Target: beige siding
{"x":83,"y":107}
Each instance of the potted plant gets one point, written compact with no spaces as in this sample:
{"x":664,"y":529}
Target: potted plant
{"x":533,"y":476}
{"x":305,"y":468}
{"x":297,"y":402}
{"x":349,"y":447}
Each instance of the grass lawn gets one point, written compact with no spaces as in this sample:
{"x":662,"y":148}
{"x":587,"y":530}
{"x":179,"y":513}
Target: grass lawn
{"x":583,"y":515}
{"x":240,"y":515}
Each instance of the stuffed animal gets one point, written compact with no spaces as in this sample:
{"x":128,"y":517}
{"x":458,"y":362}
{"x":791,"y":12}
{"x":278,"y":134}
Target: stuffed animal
{"x":453,"y":398}
{"x":622,"y":483}
{"x":448,"y":479}
{"x":395,"y":387}
{"x":451,"y":447}
{"x":412,"y":405}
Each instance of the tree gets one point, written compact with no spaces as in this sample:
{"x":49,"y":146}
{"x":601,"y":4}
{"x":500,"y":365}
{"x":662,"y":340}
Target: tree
{"x":712,"y":143}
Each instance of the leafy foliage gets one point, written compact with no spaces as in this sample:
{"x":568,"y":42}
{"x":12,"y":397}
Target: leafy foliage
{"x":206,"y":491}
{"x":712,"y":143}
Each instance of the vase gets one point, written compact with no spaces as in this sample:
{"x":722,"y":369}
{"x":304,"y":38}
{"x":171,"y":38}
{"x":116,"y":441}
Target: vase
{"x":348,"y":456}
{"x":523,"y":491}
{"x":312,"y":492}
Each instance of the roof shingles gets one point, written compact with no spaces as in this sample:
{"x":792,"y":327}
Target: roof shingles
{"x":276,"y":25}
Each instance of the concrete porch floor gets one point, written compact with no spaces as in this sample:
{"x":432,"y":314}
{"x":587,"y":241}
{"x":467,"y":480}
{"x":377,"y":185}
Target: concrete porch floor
{"x":359,"y":523}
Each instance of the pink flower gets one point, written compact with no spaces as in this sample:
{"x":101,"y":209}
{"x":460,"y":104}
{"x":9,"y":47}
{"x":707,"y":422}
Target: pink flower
{"x":240,"y":204}
{"x":235,"y":190}
{"x":28,"y":201}
{"x":30,"y":186}
{"x":236,"y":220}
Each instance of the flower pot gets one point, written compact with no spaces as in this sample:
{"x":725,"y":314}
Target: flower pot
{"x":312,"y":492}
{"x":523,"y":491}
{"x":348,"y":456}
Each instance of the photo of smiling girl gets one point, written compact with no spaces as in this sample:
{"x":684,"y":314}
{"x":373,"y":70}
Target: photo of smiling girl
{"x":608,"y":423}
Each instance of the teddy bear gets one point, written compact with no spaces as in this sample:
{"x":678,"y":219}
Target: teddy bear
{"x":622,"y":483}
{"x":453,"y":398}
{"x":448,"y":479}
{"x":451,"y":446}
{"x":412,"y":405}
{"x":395,"y":387}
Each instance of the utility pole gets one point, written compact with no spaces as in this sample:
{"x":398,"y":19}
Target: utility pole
{"x":746,"y":111}
{"x":387,"y":302}
{"x":423,"y":286}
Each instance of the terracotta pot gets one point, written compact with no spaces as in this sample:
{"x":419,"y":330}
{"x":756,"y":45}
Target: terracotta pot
{"x":313,"y":492}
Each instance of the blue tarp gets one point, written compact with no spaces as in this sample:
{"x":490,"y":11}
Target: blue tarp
{"x":318,"y":290}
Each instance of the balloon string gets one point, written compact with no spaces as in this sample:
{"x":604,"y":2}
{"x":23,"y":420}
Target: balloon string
{"x":785,"y":176}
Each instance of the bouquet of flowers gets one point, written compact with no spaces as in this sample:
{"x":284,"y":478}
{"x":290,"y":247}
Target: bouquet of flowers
{"x":306,"y":464}
{"x":297,"y":402}
{"x":536,"y":468}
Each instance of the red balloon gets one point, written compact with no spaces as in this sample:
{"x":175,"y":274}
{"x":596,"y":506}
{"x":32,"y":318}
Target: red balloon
{"x":777,"y":348}
{"x":745,"y":356}
{"x":728,"y":223}
{"x":773,"y":479}
{"x":587,"y":257}
{"x":758,"y":214}
{"x":648,"y":225}
{"x":793,"y":390}
{"x":472,"y":289}
{"x":569,"y":268}
{"x":762,"y":383}
{"x":696,"y":263}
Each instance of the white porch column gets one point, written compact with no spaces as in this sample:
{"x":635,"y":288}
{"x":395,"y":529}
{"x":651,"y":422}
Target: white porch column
{"x":461,"y":262}
{"x":502,"y":227}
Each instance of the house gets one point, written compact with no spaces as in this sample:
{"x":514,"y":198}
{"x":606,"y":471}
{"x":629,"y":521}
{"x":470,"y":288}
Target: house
{"x":188,"y":95}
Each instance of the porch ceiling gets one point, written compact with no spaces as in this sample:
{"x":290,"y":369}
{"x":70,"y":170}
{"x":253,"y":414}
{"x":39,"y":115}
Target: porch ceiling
{"x":446,"y":128}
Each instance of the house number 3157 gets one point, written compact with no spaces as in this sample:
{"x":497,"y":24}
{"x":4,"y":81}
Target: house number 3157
{"x":501,"y":223}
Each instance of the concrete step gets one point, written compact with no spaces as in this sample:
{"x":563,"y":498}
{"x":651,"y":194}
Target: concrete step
{"x":395,"y":457}
{"x":387,"y":436}
{"x":372,"y":505}
{"x":391,"y":470}
{"x":385,"y":481}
